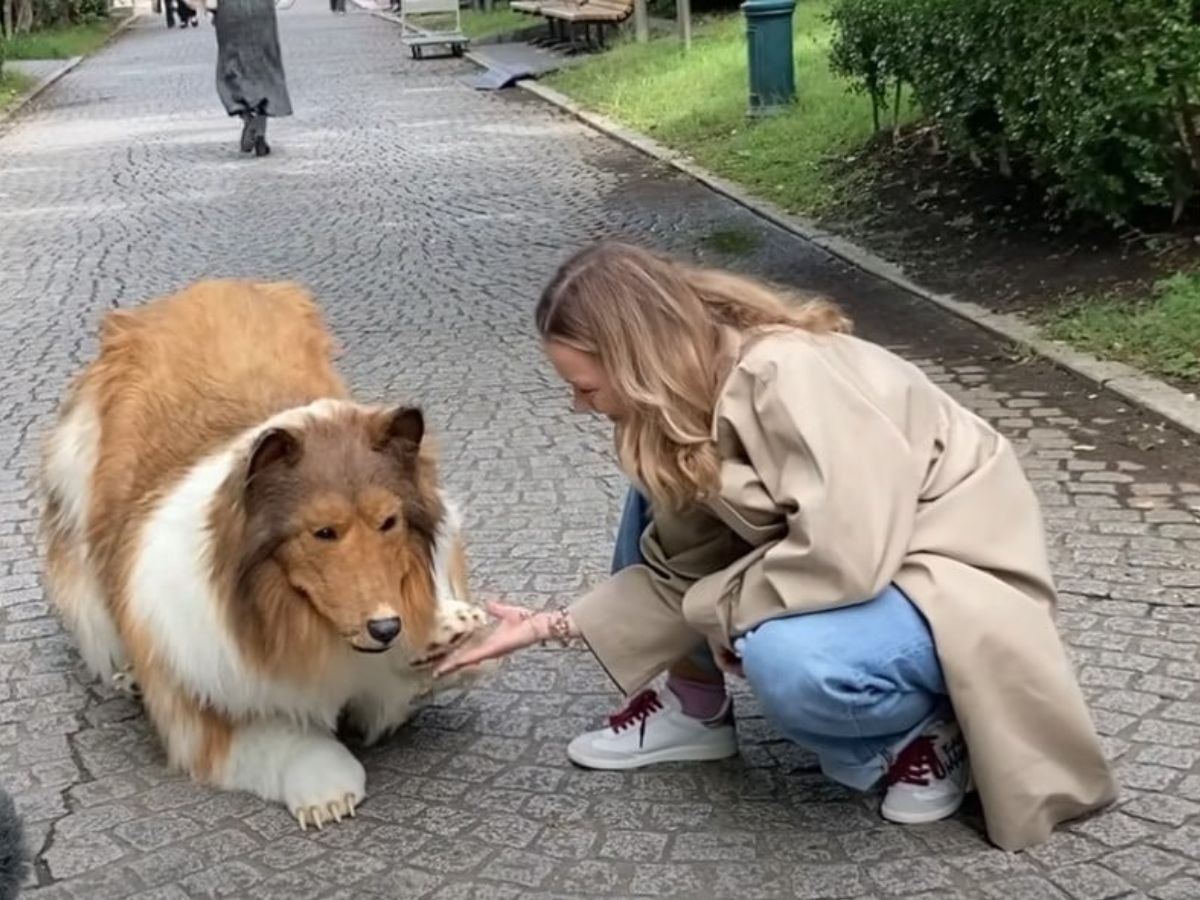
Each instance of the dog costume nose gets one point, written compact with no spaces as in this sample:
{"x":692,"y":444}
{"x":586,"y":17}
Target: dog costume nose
{"x":384,"y":630}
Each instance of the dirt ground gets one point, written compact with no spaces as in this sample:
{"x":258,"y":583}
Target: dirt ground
{"x":982,"y":237}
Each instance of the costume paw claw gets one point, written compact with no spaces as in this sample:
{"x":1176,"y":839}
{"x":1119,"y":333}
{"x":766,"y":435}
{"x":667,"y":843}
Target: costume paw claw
{"x":125,"y":682}
{"x":324,"y":785}
{"x":457,"y":621}
{"x":334,"y":811}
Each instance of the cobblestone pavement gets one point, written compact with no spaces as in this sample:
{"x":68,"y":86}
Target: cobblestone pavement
{"x":427,"y":216}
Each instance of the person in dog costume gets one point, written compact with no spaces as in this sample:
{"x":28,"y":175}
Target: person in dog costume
{"x":812,"y":513}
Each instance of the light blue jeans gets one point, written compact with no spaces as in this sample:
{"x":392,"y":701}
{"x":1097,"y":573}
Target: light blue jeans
{"x":853,"y":685}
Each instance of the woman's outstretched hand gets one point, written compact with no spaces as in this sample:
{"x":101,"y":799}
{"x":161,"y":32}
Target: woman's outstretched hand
{"x":516,"y":628}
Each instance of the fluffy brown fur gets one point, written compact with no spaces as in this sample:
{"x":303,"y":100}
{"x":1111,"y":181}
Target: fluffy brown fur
{"x":219,"y":412}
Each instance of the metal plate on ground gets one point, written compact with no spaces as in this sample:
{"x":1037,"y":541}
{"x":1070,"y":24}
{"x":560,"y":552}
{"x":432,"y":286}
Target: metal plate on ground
{"x":506,"y":64}
{"x":498,"y":78}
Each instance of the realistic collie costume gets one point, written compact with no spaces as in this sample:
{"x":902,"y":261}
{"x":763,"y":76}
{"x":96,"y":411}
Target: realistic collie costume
{"x":224,"y":527}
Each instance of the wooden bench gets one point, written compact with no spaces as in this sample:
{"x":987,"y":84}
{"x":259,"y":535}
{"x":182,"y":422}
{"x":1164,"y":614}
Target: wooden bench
{"x":567,"y":15}
{"x":555,"y":35}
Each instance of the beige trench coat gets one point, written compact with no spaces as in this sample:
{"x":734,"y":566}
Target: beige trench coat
{"x":845,"y":469}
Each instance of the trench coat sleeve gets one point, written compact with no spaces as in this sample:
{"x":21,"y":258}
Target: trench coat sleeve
{"x":842,"y":472}
{"x":633,"y":622}
{"x":633,"y":625}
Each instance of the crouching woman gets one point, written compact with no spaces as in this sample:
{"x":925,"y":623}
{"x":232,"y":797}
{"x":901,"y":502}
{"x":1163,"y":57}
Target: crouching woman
{"x":827,"y":522}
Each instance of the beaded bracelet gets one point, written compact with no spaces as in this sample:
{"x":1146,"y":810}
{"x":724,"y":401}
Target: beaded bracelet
{"x":559,"y":626}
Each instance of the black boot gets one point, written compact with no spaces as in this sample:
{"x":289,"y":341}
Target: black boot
{"x":261,"y":147}
{"x":249,"y":129}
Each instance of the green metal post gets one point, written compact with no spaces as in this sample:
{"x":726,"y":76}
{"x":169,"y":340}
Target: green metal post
{"x":769,"y":46}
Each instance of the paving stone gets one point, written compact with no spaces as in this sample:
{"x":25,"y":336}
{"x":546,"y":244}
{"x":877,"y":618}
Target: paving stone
{"x":1184,"y":840}
{"x":82,"y":853}
{"x":1027,"y":888}
{"x":1168,"y":810}
{"x":669,"y":881}
{"x":167,"y":865}
{"x":1178,"y":889}
{"x":152,"y":832}
{"x":635,"y":846}
{"x":1190,"y":788}
{"x":595,"y":877}
{"x":1149,"y":778}
{"x":908,"y":876}
{"x":878,"y":844}
{"x":518,"y":867}
{"x":292,"y":885}
{"x":1116,"y":830}
{"x":1091,"y":882}
{"x":228,"y":879}
{"x":1144,"y":865}
{"x":1176,"y":757}
{"x":169,"y":892}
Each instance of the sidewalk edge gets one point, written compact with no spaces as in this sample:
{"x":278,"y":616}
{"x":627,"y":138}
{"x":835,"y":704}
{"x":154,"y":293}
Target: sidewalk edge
{"x":9,"y":115}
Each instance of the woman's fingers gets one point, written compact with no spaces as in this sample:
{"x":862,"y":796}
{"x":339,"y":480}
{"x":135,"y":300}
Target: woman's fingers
{"x":505,"y":612}
{"x":512,"y":633}
{"x":513,"y":630}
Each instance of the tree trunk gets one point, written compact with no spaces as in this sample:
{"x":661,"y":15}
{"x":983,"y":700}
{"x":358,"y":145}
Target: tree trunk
{"x":641,"y":21}
{"x":1002,"y":159}
{"x":683,"y":15}
{"x":23,"y":18}
{"x":896,"y":111}
{"x":1186,"y":125}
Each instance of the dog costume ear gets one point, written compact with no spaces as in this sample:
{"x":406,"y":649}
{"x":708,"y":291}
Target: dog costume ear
{"x":274,"y":446}
{"x":401,"y":432}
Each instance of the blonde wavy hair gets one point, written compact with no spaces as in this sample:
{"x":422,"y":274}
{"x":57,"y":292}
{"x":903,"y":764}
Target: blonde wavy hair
{"x":659,"y":328}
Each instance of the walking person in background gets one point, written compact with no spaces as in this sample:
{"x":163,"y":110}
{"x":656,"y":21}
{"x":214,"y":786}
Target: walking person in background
{"x":187,"y":15}
{"x":250,"y":77}
{"x":338,"y":7}
{"x":812,"y":513}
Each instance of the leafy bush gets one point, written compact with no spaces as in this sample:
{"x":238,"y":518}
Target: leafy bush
{"x":665,"y":9}
{"x":1101,"y":98}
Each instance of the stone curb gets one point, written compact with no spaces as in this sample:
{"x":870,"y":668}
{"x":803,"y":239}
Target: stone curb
{"x":37,"y":90}
{"x":1133,"y":385}
{"x":8,"y":116}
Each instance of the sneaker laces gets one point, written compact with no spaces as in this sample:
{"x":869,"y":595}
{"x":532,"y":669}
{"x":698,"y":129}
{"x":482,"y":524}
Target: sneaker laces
{"x":916,"y":763}
{"x":636,"y":712}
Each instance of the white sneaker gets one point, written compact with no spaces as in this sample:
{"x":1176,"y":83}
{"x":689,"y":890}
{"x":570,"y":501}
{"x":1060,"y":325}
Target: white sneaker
{"x":651,"y":729}
{"x":929,"y":778}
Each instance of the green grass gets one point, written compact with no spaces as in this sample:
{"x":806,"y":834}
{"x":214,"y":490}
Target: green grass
{"x":477,"y":24}
{"x":695,"y":101}
{"x":12,"y":85}
{"x":61,"y":43}
{"x":1159,"y":333}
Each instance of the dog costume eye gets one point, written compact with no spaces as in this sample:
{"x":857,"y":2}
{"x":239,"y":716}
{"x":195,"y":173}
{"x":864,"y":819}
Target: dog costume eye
{"x":325,"y":534}
{"x":388,"y":524}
